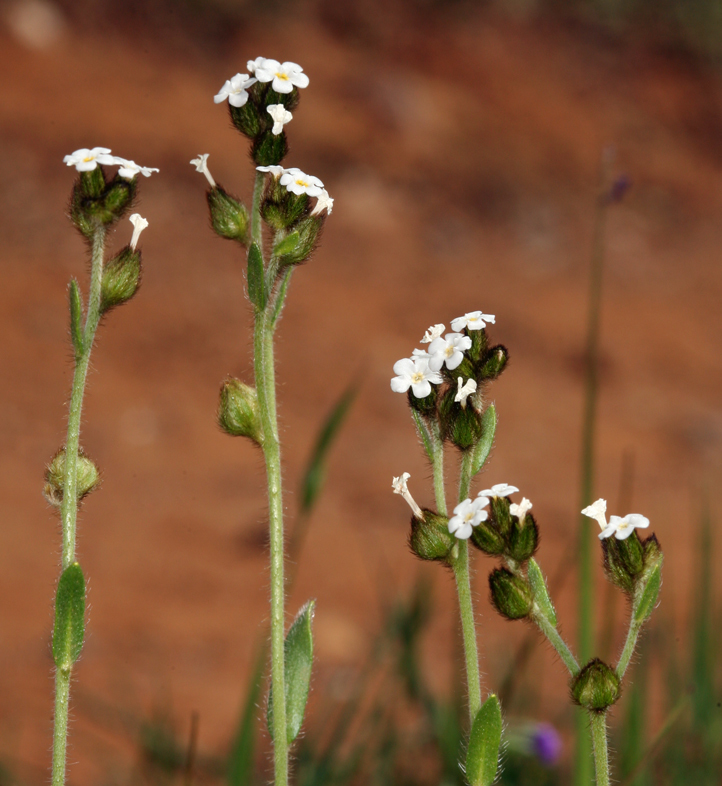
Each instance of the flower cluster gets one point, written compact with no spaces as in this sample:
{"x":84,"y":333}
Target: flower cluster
{"x":86,"y":160}
{"x":620,"y":527}
{"x":298,"y":182}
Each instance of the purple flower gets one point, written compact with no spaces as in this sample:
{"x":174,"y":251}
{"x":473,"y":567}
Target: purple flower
{"x":546,"y":744}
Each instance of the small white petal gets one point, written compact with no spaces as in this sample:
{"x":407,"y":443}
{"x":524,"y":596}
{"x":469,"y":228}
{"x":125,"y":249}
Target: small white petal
{"x":201,"y":165}
{"x":433,"y":333}
{"x":139,"y":224}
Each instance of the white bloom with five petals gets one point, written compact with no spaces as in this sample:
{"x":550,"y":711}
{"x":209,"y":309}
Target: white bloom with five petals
{"x":622,"y":527}
{"x":433,"y":333}
{"x":474,"y":320}
{"x":235,"y":90}
{"x":85,"y":160}
{"x":283,"y":76}
{"x":280,"y":116}
{"x":323,"y":202}
{"x":414,"y":374}
{"x":201,"y":165}
{"x":499,"y":490}
{"x":465,"y":389}
{"x":129,"y":169}
{"x":298,"y":182}
{"x":449,"y":350}
{"x":467,"y":515}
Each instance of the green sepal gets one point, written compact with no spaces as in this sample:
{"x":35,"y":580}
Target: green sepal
{"x":69,"y":617}
{"x":494,"y":364}
{"x":92,"y":183}
{"x":298,"y":650}
{"x":479,"y":343}
{"x":86,"y":473}
{"x":430,"y":538}
{"x":229,"y":216}
{"x":246,"y":118}
{"x":540,"y":592}
{"x":286,"y":245}
{"x":280,"y":208}
{"x":644,"y":607}
{"x":488,"y":429}
{"x":501,"y":514}
{"x":596,"y":687}
{"x":118,"y":198}
{"x":289,"y":100}
{"x":482,"y":755}
{"x":307,"y":232}
{"x":121,"y":279}
{"x":523,"y":538}
{"x":425,"y":406}
{"x":487,"y":538}
{"x":269,"y":149}
{"x":76,"y":317}
{"x":511,"y":595}
{"x":614,"y":566}
{"x":631,"y":552}
{"x":238,"y":413}
{"x":255,"y":277}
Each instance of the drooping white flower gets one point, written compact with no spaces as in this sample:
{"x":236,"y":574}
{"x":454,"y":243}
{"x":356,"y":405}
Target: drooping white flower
{"x":467,"y":515}
{"x":499,"y":490}
{"x":139,"y":224}
{"x":298,"y":182}
{"x":622,"y":528}
{"x":449,"y":350}
{"x":465,"y":389}
{"x":284,"y":76}
{"x":280,"y":116}
{"x":433,"y":333}
{"x":129,"y":169}
{"x":323,"y":202}
{"x":597,"y":511}
{"x":201,"y":165}
{"x":235,"y":90}
{"x":85,"y":160}
{"x":474,"y":320}
{"x":414,"y":374}
{"x":275,"y":170}
{"x":399,"y":487}
{"x":521,"y":509}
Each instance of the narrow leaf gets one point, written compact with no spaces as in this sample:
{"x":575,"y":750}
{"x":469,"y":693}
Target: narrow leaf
{"x":69,"y":617}
{"x":256,"y":284}
{"x":483,"y":446}
{"x":241,"y":761}
{"x":540,"y":591}
{"x":424,"y":434}
{"x":315,"y":473}
{"x":482,"y":756}
{"x":286,"y":245}
{"x":649,"y":596}
{"x":298,"y":651}
{"x":76,"y":317}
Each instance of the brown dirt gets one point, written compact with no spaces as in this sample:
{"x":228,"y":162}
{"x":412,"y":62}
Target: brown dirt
{"x":463,"y":157}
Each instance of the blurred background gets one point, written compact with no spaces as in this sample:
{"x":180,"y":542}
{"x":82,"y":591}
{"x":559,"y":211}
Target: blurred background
{"x":462,"y":142}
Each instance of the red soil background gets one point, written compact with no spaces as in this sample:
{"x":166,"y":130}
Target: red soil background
{"x":462,"y":148}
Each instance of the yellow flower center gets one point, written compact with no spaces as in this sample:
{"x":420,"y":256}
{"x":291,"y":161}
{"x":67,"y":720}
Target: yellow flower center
{"x":417,"y":377}
{"x":281,"y":75}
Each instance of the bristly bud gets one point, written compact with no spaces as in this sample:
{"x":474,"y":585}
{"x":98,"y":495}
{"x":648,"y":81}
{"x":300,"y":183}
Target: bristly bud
{"x":88,"y":477}
{"x":511,"y":595}
{"x":247,"y":118}
{"x":269,"y":149}
{"x":238,"y":413}
{"x":631,"y":552}
{"x":118,"y":197}
{"x":487,"y":538}
{"x":479,"y":343}
{"x":299,"y":245}
{"x":95,"y":203}
{"x":501,"y":515}
{"x":494,"y":364}
{"x":524,"y":538}
{"x":430,"y":538}
{"x":280,"y":208}
{"x":614,"y":566}
{"x":229,"y":216}
{"x":121,"y":279}
{"x":425,"y":406}
{"x":596,"y":687}
{"x":461,"y":425}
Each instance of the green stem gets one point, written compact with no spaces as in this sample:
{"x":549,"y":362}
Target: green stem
{"x":69,"y":505}
{"x":467,"y":459}
{"x":256,"y":229}
{"x":629,"y":647}
{"x":555,"y":639}
{"x":598,"y":721}
{"x":437,"y":465}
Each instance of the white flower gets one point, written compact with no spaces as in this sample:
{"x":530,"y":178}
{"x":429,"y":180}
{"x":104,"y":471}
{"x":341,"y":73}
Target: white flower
{"x":285,"y":76}
{"x":420,"y":354}
{"x":449,"y":350}
{"x":280,"y":116}
{"x":129,"y":169}
{"x":474,"y":320}
{"x":298,"y":182}
{"x":467,"y":515}
{"x":85,"y":160}
{"x":139,"y":224}
{"x":465,"y":390}
{"x":622,"y":528}
{"x":201,"y":165}
{"x":399,"y":487}
{"x":499,"y":490}
{"x":324,"y":202}
{"x":521,"y":509}
{"x":433,"y":333}
{"x":235,"y":90}
{"x":597,"y":510}
{"x":276,"y":171}
{"x":251,"y":65}
{"x":414,"y":374}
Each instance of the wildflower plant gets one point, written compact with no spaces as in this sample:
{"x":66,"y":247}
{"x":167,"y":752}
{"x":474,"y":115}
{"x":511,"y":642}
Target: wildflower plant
{"x":446,"y":390}
{"x":98,"y":201}
{"x":278,"y":234}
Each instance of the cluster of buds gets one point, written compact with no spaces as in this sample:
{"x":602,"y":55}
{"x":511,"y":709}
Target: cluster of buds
{"x":445,"y":383}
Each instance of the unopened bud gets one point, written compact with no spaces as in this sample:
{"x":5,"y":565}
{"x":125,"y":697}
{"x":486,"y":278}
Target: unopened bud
{"x":425,"y":406}
{"x":479,"y":343}
{"x":486,"y":537}
{"x":614,"y":566}
{"x":511,"y":595}
{"x":238,"y":411}
{"x":92,"y":183}
{"x":596,"y":687}
{"x":229,"y":216}
{"x":430,"y":538}
{"x":298,"y":246}
{"x":524,"y":538}
{"x":268,"y":148}
{"x":501,"y":515}
{"x":121,"y":279}
{"x":118,"y":198}
{"x":87,"y":477}
{"x":247,"y":118}
{"x":631,"y":553}
{"x":494,"y":364}
{"x":280,"y":208}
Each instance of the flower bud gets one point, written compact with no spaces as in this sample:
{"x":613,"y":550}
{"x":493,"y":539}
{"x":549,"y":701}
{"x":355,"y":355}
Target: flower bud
{"x":229,"y":217}
{"x":269,"y":149}
{"x":631,"y":552}
{"x":247,"y":118}
{"x":92,"y":184}
{"x":501,"y":515}
{"x":460,"y":425}
{"x":298,"y":246}
{"x":430,"y":538}
{"x":596,"y":687}
{"x":87,"y":475}
{"x":479,"y":343}
{"x":487,"y":538}
{"x":94,"y":203}
{"x":614,"y":566}
{"x":118,"y":197}
{"x":653,"y":556}
{"x":425,"y":406}
{"x":494,"y":364}
{"x":238,"y":411}
{"x":511,"y":595}
{"x":121,"y":279}
{"x":524,"y":538}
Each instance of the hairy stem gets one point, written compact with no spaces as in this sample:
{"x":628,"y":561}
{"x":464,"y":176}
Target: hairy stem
{"x":256,"y":230}
{"x":629,"y":647}
{"x":555,"y":639}
{"x":460,"y":566}
{"x":598,"y":721}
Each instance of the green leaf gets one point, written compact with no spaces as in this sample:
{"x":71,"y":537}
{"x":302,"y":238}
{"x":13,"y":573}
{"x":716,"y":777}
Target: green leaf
{"x":483,"y":446}
{"x":482,"y":756}
{"x":540,"y":591}
{"x":256,"y":283}
{"x":298,"y":651}
{"x":315,"y":473}
{"x":648,"y":598}
{"x":242,"y":758}
{"x":286,"y":245}
{"x":76,"y":317}
{"x":69,"y":617}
